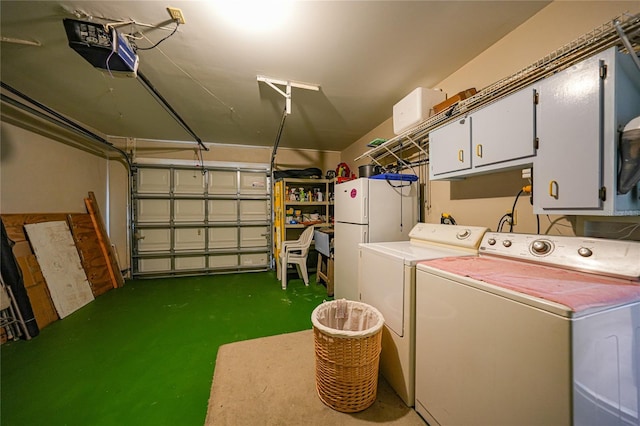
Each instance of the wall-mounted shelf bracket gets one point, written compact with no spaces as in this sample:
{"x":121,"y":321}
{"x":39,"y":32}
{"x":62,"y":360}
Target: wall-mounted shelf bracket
{"x":288,"y":85}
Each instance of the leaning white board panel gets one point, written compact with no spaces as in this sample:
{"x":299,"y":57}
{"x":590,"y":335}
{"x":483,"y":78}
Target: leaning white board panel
{"x":60,"y":264}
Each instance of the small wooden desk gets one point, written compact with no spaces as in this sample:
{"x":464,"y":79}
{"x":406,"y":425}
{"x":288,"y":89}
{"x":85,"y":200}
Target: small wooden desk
{"x":324,"y":247}
{"x":325,"y":272}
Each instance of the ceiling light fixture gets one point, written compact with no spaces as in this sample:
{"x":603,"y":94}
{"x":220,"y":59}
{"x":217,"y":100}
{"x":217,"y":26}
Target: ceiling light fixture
{"x":254,"y":15}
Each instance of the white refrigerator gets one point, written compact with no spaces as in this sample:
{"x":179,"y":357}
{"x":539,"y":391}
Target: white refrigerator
{"x":368,"y":211}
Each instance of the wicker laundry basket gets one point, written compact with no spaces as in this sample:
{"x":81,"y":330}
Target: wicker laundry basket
{"x":348,"y":338}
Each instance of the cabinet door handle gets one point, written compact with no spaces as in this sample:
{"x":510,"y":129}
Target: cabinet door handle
{"x":461,"y":155}
{"x":553,"y":189}
{"x":479,"y":150}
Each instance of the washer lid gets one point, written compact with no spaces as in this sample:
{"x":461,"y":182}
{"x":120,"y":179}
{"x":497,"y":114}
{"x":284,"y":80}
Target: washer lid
{"x":580,"y":292}
{"x":413,"y":253}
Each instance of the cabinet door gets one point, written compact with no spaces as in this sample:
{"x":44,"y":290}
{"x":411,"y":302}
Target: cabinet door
{"x":449,"y":147}
{"x":567,"y":170}
{"x":504,"y":130}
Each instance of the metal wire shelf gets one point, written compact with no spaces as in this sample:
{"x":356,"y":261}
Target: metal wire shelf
{"x":623,"y":32}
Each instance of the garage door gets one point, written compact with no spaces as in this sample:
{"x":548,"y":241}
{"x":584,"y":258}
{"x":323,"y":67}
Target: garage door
{"x":191,"y":221}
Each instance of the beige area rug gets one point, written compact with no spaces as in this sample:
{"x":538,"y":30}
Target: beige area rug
{"x":271,"y":381}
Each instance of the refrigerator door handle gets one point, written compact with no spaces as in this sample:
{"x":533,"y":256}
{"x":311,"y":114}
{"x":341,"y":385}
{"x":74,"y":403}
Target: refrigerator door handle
{"x":366,"y":208}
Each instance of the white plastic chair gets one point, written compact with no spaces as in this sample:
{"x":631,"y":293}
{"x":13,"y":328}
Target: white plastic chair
{"x":296,"y":252}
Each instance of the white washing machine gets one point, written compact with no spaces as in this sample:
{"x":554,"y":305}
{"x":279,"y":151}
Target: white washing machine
{"x":536,"y":330}
{"x":387,"y":282}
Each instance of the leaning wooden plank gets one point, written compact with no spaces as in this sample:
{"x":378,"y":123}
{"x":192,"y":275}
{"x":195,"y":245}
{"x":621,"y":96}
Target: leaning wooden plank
{"x":93,"y":260}
{"x":103,"y":238}
{"x":101,"y":242}
{"x":14,"y":222}
{"x":60,"y":264}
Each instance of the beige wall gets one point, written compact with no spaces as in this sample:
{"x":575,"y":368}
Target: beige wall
{"x":49,"y":171}
{"x":40,"y":175}
{"x":483,"y":200}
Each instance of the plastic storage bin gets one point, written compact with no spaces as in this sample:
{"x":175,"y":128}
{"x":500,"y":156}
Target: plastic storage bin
{"x":347,"y":336}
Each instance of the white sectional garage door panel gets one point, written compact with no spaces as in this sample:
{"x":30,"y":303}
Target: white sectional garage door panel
{"x":187,"y":221}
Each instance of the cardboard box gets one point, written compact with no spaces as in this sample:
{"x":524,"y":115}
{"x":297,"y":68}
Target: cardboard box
{"x":453,"y":100}
{"x":37,"y":290}
{"x":22,"y":249}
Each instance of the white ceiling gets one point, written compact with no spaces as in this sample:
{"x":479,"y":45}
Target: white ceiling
{"x":364,"y":55}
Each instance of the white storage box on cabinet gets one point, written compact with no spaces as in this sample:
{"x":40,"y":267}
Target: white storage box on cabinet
{"x":415,"y":107}
{"x":581,"y":112}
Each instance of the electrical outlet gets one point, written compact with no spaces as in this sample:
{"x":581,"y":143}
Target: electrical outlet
{"x":512,"y":220}
{"x":176,"y":14}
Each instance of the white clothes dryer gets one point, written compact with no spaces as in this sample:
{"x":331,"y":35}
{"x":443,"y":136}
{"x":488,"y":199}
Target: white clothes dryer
{"x":387,"y":274}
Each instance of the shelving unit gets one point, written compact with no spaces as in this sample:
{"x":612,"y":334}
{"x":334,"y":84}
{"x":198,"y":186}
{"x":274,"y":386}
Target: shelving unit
{"x":291,"y":214}
{"x":622,"y":32}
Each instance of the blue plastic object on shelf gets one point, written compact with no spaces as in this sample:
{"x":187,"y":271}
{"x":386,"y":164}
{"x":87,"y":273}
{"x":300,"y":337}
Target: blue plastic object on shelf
{"x":395,"y":176}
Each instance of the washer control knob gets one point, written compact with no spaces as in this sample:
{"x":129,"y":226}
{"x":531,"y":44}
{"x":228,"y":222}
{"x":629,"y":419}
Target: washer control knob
{"x":506,"y":243}
{"x":541,"y":247}
{"x":463,"y":234}
{"x":584,"y":252}
{"x":491,"y":241}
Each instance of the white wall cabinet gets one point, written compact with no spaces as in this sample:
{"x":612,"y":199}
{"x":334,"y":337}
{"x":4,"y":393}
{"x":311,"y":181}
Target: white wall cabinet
{"x":449,"y":148}
{"x":580,"y":114}
{"x":567,"y":172}
{"x":573,"y":117}
{"x":505,"y":130}
{"x":496,"y":137}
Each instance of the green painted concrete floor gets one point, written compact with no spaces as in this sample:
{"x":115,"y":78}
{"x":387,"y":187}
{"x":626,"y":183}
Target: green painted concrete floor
{"x":144,"y":354}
